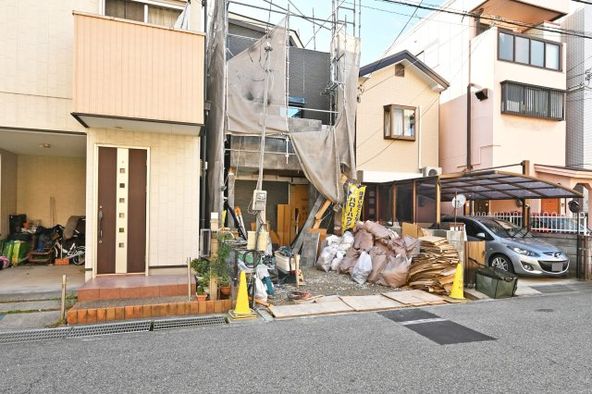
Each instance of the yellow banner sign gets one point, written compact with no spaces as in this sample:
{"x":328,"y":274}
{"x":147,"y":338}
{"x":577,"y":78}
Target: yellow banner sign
{"x":353,"y":207}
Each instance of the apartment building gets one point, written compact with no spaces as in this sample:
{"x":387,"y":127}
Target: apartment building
{"x":506,"y":100}
{"x":101,"y":107}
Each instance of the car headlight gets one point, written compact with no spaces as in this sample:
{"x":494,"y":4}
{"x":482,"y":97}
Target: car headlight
{"x":523,"y":251}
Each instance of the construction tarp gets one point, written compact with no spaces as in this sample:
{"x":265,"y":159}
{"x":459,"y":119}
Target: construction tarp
{"x":324,"y":152}
{"x":246,"y":86}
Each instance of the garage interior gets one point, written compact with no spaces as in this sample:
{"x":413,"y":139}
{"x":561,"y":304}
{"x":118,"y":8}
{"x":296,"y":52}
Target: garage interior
{"x":42,"y":176}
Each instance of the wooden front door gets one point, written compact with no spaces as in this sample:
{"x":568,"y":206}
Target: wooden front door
{"x":121,"y":211}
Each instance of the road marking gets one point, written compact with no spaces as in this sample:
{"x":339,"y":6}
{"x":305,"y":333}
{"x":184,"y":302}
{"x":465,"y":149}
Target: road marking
{"x":420,"y":321}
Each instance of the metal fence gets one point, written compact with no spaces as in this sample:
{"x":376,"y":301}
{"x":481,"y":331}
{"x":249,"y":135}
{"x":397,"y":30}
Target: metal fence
{"x":548,"y":223}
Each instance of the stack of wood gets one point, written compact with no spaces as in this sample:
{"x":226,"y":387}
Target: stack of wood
{"x":433,"y":269}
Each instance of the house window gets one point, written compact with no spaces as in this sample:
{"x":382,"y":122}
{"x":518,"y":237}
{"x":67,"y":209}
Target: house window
{"x":142,"y":12}
{"x":526,"y":50}
{"x":533,"y":101}
{"x":399,"y":122}
{"x":399,"y":70}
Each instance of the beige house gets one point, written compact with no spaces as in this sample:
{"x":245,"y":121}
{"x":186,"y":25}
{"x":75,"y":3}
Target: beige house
{"x":398,"y":119}
{"x":101,"y":108}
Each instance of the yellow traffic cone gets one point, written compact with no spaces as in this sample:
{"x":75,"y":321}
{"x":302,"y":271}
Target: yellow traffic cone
{"x":241,"y":309}
{"x":458,"y":284}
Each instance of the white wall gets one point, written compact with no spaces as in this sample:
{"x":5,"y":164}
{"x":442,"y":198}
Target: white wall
{"x":173,"y":193}
{"x":36,"y":70}
{"x":43,"y":179}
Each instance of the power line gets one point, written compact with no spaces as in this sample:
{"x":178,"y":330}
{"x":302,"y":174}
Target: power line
{"x":493,"y":19}
{"x":394,"y":41}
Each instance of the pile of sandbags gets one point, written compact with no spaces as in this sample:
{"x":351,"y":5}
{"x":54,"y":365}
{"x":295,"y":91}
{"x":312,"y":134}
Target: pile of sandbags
{"x":433,"y":269}
{"x":377,"y":255}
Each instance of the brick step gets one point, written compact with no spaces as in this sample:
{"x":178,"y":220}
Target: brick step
{"x":88,"y":313}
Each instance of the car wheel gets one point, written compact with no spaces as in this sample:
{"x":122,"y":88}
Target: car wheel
{"x":501,"y":262}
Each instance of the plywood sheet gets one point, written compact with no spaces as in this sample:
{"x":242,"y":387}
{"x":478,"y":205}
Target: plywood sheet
{"x":414,"y":297}
{"x":310,"y":249}
{"x":375,"y":302}
{"x":299,"y":310}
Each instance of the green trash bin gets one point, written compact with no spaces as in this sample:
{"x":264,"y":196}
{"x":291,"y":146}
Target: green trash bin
{"x":496,"y":283}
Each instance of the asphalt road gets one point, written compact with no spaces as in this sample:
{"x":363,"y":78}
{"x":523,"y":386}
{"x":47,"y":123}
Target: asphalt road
{"x":542,"y":344}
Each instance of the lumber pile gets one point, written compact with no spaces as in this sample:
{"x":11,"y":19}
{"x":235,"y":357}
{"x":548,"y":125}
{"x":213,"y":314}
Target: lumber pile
{"x":433,"y":269}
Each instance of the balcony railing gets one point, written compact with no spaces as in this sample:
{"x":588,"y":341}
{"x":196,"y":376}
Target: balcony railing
{"x":136,"y":72}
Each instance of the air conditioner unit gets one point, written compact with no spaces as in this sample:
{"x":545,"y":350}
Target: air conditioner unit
{"x":431,"y":171}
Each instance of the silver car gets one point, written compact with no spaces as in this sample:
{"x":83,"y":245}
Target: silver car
{"x":514,"y":249}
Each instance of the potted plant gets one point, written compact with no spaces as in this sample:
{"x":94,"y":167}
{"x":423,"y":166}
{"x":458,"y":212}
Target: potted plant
{"x":201,"y":294}
{"x":224,"y":286}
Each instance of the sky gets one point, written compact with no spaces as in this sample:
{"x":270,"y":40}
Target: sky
{"x":381,"y":22}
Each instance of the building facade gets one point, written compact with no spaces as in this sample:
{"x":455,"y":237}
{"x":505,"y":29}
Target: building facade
{"x":102,"y":106}
{"x":506,"y":101}
{"x":398,"y":119}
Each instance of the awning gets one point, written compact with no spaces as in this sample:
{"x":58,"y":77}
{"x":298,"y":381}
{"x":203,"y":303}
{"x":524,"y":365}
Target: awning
{"x":500,"y":185}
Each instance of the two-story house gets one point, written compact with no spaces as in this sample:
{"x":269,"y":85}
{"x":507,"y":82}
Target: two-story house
{"x":397,"y":130}
{"x":101,"y":107}
{"x":506,"y":100}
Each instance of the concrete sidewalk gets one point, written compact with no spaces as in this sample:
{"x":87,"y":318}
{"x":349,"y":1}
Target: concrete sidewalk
{"x":38,"y":282}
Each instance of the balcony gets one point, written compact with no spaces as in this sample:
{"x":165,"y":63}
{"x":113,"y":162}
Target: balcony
{"x":131,"y":75}
{"x":529,"y":12}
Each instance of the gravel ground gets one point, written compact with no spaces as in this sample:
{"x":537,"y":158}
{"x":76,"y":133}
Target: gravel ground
{"x":326,"y":283}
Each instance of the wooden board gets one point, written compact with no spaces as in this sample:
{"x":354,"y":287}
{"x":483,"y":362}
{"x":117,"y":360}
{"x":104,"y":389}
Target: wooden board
{"x":308,"y":224}
{"x":474,"y":259}
{"x":414,"y":297}
{"x":412,"y":230}
{"x":317,"y":308}
{"x":310,"y":249}
{"x":283,"y":224}
{"x":375,"y":302}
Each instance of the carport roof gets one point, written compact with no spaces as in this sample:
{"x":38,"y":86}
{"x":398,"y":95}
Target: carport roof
{"x":500,"y":185}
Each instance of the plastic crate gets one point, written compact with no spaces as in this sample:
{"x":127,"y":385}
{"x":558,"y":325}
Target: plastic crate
{"x":496,"y":283}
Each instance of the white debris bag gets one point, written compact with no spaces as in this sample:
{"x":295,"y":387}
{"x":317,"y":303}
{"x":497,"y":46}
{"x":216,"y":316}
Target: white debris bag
{"x":326,"y":257}
{"x":362,"y":268}
{"x":260,"y":290}
{"x":337,"y":260}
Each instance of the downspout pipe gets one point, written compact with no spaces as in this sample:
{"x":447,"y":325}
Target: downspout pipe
{"x":203,"y":143}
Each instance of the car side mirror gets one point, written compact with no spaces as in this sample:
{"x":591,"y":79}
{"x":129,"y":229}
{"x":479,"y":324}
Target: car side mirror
{"x":480,"y":235}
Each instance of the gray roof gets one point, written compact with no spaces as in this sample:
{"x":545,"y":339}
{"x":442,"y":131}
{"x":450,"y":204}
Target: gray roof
{"x":398,"y":58}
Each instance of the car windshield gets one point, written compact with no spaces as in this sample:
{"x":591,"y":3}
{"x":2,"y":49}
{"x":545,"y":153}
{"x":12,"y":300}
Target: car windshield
{"x":504,"y":229}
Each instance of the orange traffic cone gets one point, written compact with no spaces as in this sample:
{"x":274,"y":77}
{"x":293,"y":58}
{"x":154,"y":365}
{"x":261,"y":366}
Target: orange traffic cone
{"x":242,"y":309}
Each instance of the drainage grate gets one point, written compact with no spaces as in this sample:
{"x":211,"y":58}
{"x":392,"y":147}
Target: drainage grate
{"x":188,"y":322}
{"x":34,"y":335}
{"x":110,"y":328}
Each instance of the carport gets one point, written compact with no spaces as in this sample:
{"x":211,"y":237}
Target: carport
{"x":424,"y":200}
{"x":42,"y":175}
{"x":420,"y":200}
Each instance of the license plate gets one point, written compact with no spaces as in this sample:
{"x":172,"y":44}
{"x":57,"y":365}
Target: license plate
{"x":557,"y":267}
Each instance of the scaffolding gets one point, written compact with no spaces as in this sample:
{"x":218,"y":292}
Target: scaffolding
{"x":265,"y":120}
